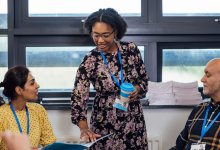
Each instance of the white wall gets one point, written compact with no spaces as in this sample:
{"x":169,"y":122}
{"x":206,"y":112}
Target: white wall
{"x":163,"y":123}
{"x":166,"y":123}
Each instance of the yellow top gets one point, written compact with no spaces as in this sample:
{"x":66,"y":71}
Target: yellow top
{"x":41,"y":132}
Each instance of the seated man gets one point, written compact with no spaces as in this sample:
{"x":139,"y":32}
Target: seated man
{"x":202,"y":129}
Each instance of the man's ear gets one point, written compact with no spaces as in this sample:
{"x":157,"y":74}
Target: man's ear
{"x":18,"y":90}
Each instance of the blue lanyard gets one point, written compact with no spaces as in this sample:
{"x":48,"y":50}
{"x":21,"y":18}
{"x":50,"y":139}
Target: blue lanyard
{"x":204,"y":128}
{"x":17,"y":121}
{"x":106,"y":64}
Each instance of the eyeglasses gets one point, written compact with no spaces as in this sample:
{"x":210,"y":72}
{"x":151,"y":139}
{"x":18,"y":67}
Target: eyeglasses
{"x":103,"y":36}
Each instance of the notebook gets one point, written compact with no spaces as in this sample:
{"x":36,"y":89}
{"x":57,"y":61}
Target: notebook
{"x":72,"y":146}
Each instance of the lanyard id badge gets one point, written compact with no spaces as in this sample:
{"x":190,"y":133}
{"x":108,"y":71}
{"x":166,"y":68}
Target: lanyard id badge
{"x":17,"y":120}
{"x":198,"y":146}
{"x":107,"y":66}
{"x":206,"y":127}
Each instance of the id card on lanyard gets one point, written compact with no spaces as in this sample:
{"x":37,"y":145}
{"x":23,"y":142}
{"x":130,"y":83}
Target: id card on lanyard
{"x":17,"y":120}
{"x":198,"y":146}
{"x":107,"y":66}
{"x":205,"y":127}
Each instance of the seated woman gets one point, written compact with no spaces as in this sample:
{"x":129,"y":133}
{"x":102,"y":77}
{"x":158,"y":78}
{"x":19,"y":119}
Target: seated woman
{"x":20,"y":115}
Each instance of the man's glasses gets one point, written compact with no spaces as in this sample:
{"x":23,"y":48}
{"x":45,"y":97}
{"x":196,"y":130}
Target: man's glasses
{"x":103,"y":36}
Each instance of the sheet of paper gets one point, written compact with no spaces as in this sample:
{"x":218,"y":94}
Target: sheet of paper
{"x":71,"y":146}
{"x":91,"y":143}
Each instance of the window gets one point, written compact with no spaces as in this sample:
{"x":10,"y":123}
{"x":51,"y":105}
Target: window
{"x":44,"y":14}
{"x":141,"y":48}
{"x":186,"y":64}
{"x":189,"y":8}
{"x":195,"y":13}
{"x":70,"y":8}
{"x":3,"y":14}
{"x":3,"y":41}
{"x":55,"y":67}
{"x":3,"y":56}
{"x":160,"y":28}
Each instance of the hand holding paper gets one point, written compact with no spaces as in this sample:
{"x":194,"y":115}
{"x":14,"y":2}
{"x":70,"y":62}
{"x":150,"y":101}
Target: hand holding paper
{"x":87,"y":135}
{"x":71,"y":146}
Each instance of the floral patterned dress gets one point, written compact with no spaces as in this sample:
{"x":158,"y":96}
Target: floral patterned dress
{"x":128,"y":128}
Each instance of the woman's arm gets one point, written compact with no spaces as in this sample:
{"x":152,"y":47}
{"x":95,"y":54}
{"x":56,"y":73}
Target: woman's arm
{"x":80,"y":96}
{"x":141,"y":82}
{"x":86,"y":134}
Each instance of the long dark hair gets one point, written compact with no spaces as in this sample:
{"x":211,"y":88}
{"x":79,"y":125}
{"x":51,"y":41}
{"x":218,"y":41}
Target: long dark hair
{"x":16,"y":76}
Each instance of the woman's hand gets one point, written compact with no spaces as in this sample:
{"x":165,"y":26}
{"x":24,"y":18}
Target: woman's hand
{"x":135,"y":93}
{"x":88,"y":136}
{"x":16,"y":141}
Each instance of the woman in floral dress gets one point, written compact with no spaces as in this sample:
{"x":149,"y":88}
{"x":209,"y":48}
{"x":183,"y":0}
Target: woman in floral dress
{"x":128,"y":128}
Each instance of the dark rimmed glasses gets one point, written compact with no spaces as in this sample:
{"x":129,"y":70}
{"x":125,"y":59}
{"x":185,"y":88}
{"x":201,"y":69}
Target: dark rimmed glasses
{"x":104,"y":36}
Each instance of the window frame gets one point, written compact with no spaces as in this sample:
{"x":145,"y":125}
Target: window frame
{"x":198,"y":19}
{"x":180,"y":45}
{"x":5,"y":33}
{"x":151,"y":32}
{"x":23,"y":21}
{"x":214,"y":43}
{"x":179,"y":25}
{"x":60,"y":98}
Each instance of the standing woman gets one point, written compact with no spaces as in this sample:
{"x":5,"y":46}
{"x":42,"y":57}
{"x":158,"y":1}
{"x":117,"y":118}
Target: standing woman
{"x":20,"y":115}
{"x":108,"y":65}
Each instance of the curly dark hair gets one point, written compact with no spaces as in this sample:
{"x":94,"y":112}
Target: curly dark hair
{"x":16,"y":76}
{"x":108,"y":16}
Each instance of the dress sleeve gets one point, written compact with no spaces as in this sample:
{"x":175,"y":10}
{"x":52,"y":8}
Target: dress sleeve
{"x":80,"y":93}
{"x":142,"y":80}
{"x":47,"y":134}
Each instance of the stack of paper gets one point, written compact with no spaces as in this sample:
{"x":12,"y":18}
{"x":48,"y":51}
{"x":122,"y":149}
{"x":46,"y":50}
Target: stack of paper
{"x":161,"y":93}
{"x":186,"y":93}
{"x":173,"y":93}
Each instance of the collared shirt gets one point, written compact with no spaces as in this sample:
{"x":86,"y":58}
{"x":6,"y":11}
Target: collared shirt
{"x":192,"y":131}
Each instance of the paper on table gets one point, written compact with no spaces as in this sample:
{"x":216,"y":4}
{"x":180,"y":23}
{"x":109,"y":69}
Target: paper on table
{"x":91,"y":143}
{"x":71,"y":146}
